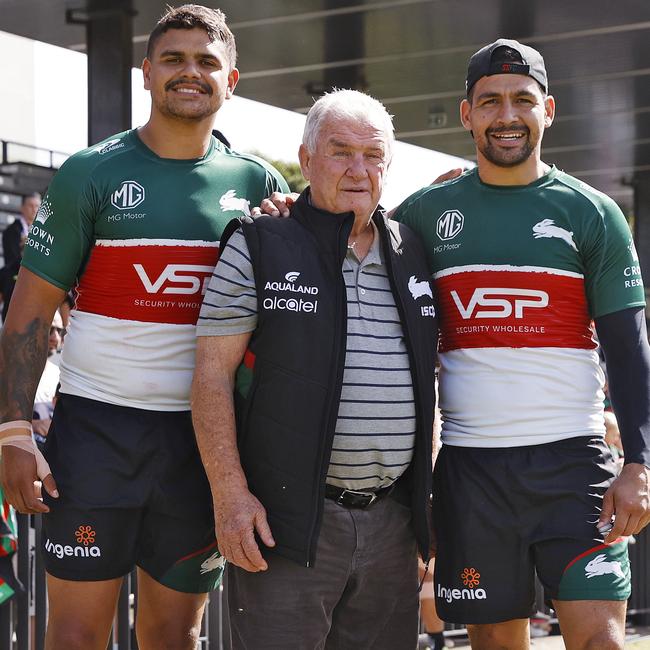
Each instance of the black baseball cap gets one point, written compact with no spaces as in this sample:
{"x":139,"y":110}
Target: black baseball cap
{"x":506,"y":57}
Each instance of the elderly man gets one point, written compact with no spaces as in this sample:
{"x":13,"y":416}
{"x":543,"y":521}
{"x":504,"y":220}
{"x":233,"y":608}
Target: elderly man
{"x":524,"y":257}
{"x":322,"y":325}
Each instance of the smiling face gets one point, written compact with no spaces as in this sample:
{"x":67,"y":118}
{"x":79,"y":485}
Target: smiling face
{"x":188,"y":75}
{"x":507,"y":117}
{"x":346,"y":171}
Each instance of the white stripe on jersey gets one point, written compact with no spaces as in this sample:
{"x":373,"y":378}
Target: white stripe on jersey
{"x":505,"y":267}
{"x":143,"y":365}
{"x":156,"y":242}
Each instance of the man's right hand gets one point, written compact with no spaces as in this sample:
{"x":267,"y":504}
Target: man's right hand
{"x":237,"y":518}
{"x":448,"y":176}
{"x":20,"y":482}
{"x":277,"y":205}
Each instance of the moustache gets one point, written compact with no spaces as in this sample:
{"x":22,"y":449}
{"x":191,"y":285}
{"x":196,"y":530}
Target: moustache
{"x":509,"y":129}
{"x":170,"y":85}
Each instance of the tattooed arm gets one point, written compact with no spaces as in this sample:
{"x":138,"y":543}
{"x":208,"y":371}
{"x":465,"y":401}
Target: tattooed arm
{"x":23,"y":351}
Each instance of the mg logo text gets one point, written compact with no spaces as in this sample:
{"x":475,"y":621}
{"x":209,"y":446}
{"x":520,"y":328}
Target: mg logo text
{"x":129,"y":195}
{"x":449,"y":224}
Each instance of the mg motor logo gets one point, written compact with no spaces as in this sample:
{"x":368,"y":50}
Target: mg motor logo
{"x":500,"y":303}
{"x":129,"y":195}
{"x":449,"y":224}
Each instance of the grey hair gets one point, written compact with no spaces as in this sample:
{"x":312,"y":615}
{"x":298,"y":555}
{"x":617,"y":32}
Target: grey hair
{"x":347,"y":105}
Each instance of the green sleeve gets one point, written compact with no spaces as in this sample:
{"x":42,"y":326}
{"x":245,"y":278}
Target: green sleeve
{"x":62,"y":234}
{"x":275,"y":182}
{"x":612,"y":274}
{"x":409,"y":212}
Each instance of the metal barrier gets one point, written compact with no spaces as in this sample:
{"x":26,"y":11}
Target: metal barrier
{"x":12,"y":152}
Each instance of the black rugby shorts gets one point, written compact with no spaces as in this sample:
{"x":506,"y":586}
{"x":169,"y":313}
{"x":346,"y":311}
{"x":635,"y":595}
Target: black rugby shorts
{"x":133,"y":492}
{"x":502,"y":514}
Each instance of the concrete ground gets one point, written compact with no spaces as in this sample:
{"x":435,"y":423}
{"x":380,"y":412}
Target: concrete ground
{"x":637,"y":639}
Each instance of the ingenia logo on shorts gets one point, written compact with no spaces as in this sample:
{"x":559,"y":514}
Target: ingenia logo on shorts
{"x":471,"y":579}
{"x":85,"y":546}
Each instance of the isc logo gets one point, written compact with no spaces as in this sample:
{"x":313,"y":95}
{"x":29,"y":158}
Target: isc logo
{"x":129,"y":195}
{"x":177,"y":274}
{"x":449,"y":224}
{"x":482,"y":305}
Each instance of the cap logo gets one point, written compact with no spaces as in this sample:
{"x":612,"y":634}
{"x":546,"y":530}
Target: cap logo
{"x":506,"y":57}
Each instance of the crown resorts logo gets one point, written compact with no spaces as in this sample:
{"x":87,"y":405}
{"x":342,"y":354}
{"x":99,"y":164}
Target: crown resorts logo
{"x":471,"y":578}
{"x":44,"y":211}
{"x":86,"y":547}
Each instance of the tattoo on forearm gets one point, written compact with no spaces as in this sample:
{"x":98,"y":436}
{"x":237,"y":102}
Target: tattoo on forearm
{"x":22,"y":358}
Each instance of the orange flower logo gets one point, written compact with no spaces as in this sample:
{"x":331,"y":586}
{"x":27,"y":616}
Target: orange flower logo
{"x":470,"y":577}
{"x":85,"y":535}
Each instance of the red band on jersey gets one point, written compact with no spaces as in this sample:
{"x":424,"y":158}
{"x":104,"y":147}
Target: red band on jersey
{"x":156,"y":284}
{"x":513,"y":309}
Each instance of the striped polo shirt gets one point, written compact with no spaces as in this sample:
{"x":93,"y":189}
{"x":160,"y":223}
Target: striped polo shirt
{"x":375,"y":429}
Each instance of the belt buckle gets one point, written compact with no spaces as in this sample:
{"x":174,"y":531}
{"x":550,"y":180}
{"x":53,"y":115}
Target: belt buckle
{"x":357,"y":493}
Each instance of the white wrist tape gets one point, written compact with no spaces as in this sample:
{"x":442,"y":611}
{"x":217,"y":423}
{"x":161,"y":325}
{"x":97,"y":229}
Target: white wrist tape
{"x":19,"y":434}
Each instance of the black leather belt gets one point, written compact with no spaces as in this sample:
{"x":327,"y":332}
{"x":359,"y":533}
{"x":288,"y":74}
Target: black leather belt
{"x":356,"y":498}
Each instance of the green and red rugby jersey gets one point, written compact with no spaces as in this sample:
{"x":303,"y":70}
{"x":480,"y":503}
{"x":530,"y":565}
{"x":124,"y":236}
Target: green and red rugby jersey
{"x":138,"y":235}
{"x":520,"y":272}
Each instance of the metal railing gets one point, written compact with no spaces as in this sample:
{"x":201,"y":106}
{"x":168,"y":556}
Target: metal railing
{"x":31,"y":154}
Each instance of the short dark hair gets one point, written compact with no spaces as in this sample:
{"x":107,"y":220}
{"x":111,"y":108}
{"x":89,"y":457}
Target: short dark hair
{"x":213,"y":21}
{"x":470,"y":92}
{"x":31,"y":195}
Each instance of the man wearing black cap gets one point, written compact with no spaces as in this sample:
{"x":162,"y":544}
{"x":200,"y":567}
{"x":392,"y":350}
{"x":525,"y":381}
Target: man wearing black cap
{"x":525,"y":259}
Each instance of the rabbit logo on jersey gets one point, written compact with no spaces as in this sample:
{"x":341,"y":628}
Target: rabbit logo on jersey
{"x":85,"y":546}
{"x":547,"y":228}
{"x":290,"y":303}
{"x":230,"y":202}
{"x":471,"y":579}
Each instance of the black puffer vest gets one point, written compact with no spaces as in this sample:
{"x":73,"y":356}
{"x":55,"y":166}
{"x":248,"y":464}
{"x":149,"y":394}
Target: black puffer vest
{"x":286,"y":415}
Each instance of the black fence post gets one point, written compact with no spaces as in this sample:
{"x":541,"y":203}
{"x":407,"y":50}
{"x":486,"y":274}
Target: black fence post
{"x":24,"y":551}
{"x":124,"y":615}
{"x":6,"y":631}
{"x":40,"y":592}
